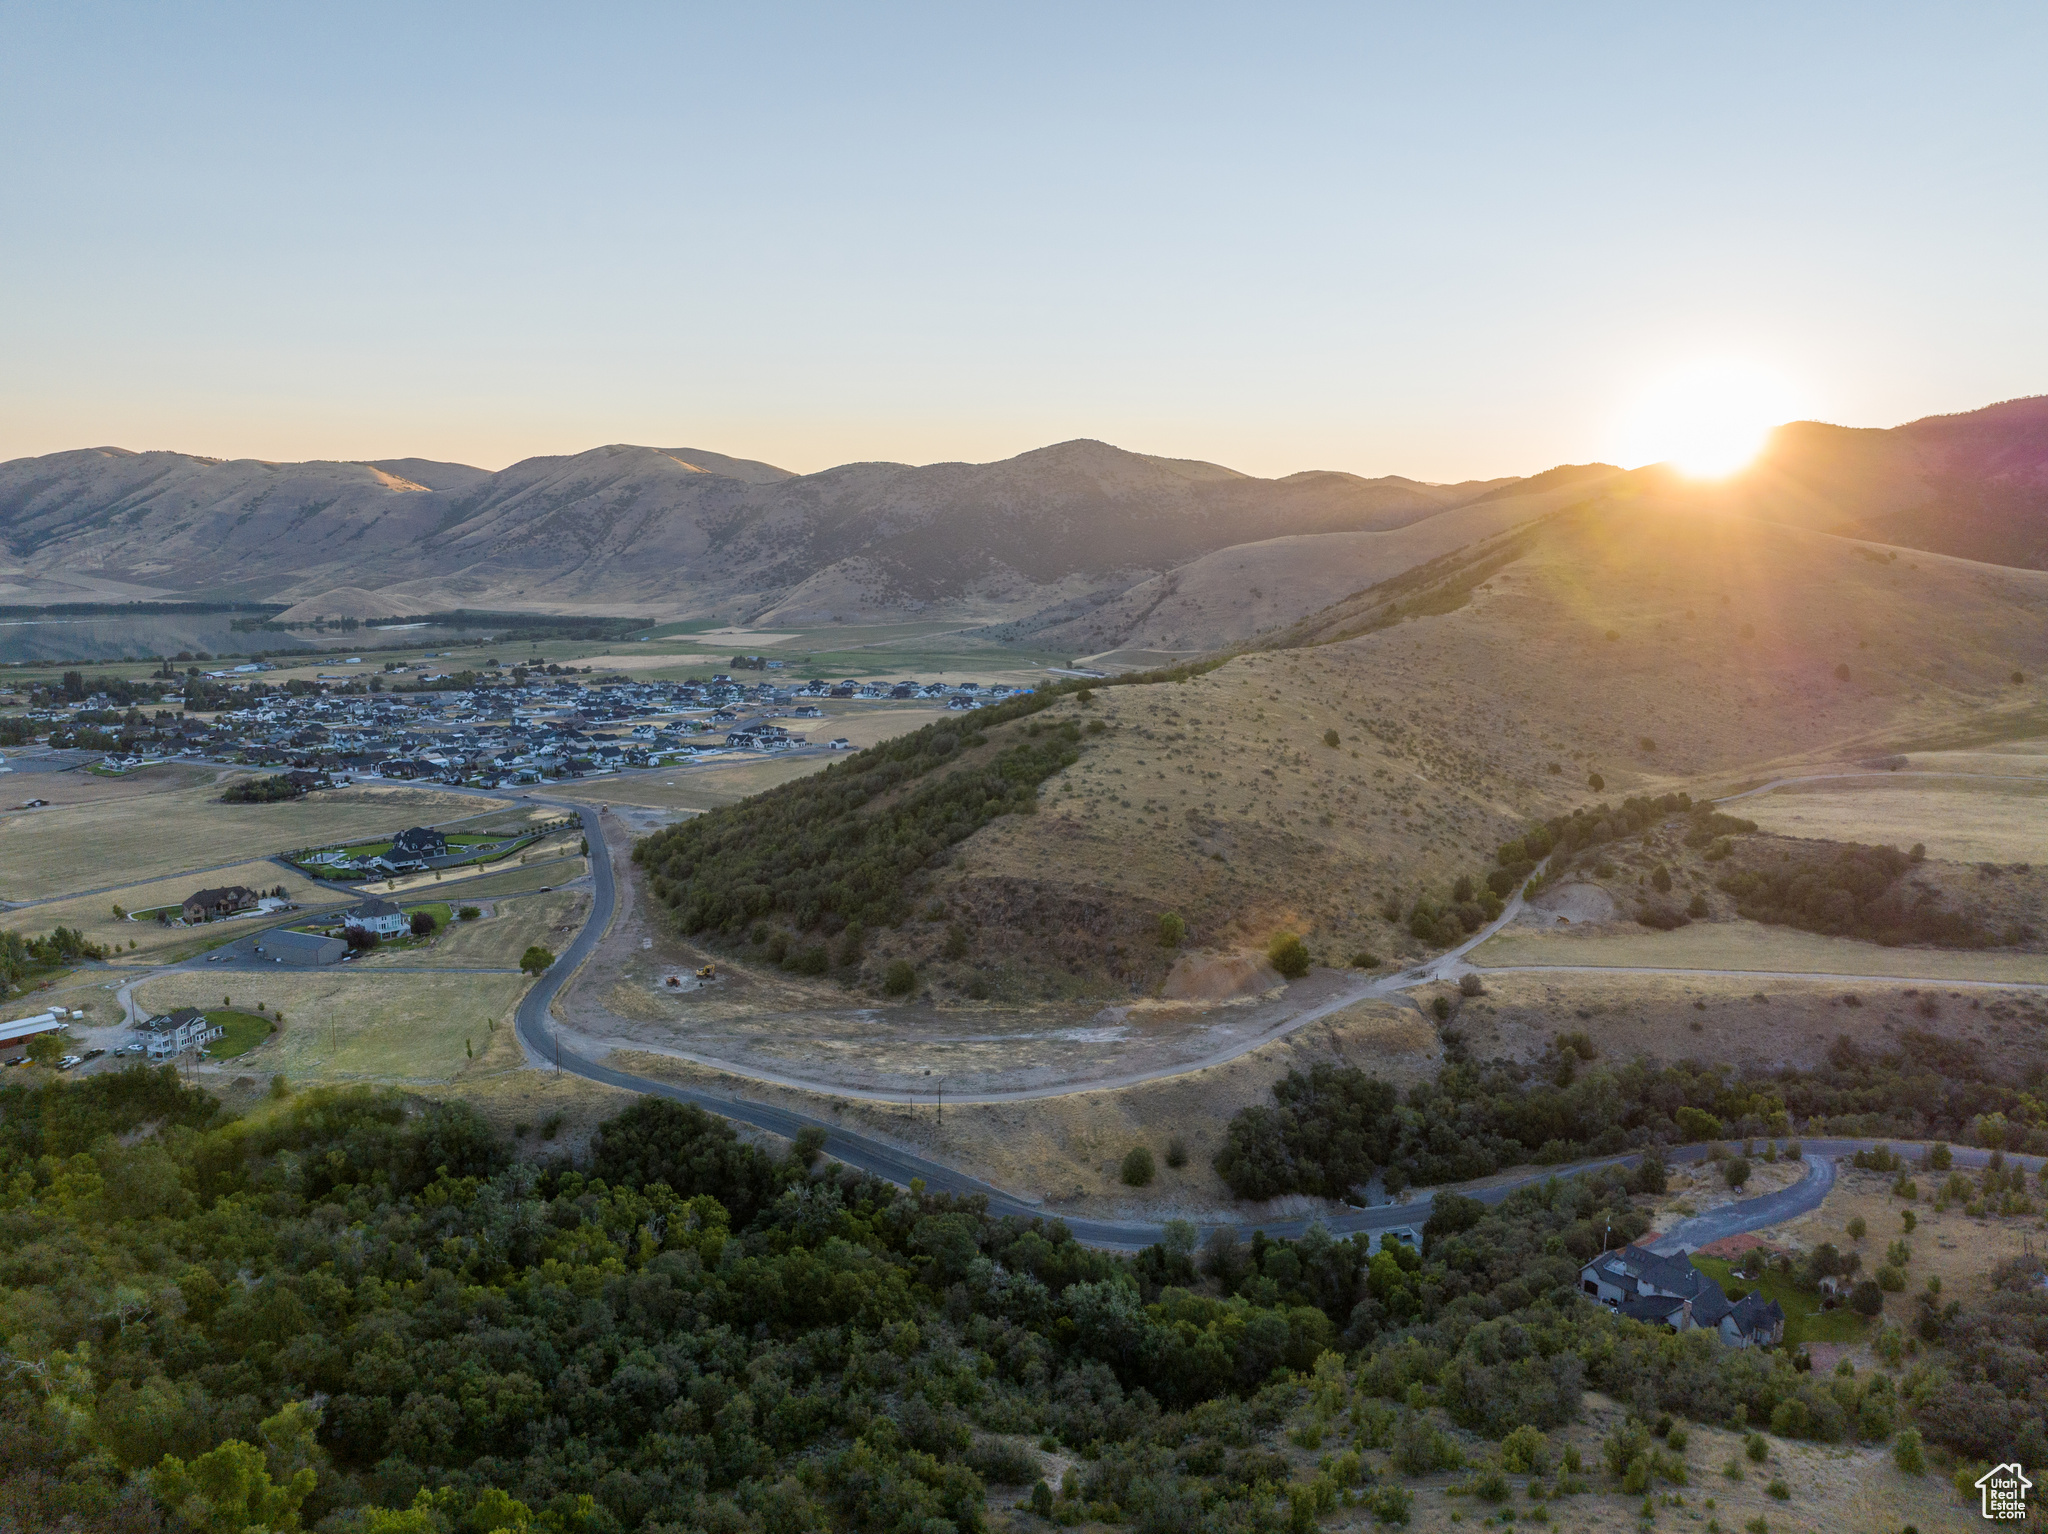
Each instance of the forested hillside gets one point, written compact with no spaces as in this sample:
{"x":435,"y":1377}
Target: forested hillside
{"x":352,"y":1312}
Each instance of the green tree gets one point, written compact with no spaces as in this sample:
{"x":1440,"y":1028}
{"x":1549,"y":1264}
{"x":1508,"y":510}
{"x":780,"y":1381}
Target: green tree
{"x":1736,"y":1171}
{"x":1172,"y":930}
{"x":1138,"y":1170}
{"x":46,"y":1049}
{"x":1288,"y":954}
{"x":1330,"y":739}
{"x":536,"y":960}
{"x":1907,"y":1453}
{"x":899,"y":978}
{"x":228,"y":1490}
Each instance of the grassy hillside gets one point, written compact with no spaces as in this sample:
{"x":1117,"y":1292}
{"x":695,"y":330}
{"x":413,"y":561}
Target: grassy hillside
{"x":1371,"y":757}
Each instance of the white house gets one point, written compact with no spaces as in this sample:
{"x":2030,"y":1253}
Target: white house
{"x":172,"y":1033}
{"x":378,"y":916}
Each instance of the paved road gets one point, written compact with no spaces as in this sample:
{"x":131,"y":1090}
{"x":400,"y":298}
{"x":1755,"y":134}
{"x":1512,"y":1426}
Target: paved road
{"x":544,"y":1047}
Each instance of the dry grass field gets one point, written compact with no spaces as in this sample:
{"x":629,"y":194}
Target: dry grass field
{"x":1749,"y":947}
{"x":133,"y":838}
{"x":543,"y":874}
{"x":82,"y":787}
{"x":94,"y":914}
{"x":727,"y":780}
{"x":1218,"y":798}
{"x":1960,"y":1250}
{"x":1067,"y":1149}
{"x":497,"y":938}
{"x":1747,"y":1023}
{"x":356,"y":1025}
{"x":1966,"y":822}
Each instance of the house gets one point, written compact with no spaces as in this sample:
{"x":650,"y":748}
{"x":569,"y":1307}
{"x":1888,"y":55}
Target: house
{"x":205,"y":905}
{"x":172,"y":1033}
{"x":303,"y":950}
{"x":1669,"y":1291}
{"x":378,"y":916}
{"x":419,"y":842}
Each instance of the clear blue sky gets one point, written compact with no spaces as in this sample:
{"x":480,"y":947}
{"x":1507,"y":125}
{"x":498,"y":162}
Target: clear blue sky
{"x":1442,"y":241}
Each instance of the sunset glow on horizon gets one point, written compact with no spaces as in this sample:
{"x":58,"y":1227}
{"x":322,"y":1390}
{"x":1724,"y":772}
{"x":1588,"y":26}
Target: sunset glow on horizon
{"x":1708,"y":419}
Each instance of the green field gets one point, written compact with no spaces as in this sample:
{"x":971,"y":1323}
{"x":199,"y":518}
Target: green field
{"x":244,"y":1031}
{"x":1805,"y":1321}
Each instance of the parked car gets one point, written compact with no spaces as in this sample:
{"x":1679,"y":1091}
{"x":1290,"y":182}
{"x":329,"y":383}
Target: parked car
{"x":67,"y":1062}
{"x":91,"y":1054}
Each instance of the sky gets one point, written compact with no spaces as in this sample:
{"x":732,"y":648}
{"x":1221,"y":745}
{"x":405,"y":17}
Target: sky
{"x":1449,"y":241}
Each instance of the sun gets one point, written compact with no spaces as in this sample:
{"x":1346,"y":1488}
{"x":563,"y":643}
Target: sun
{"x":1708,"y":419}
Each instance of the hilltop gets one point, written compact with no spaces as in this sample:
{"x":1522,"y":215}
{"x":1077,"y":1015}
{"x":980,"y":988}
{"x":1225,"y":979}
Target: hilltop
{"x":669,"y":531}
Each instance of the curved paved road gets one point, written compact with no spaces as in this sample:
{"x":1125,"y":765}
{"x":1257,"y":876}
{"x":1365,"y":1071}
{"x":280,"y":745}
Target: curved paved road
{"x":544,"y":1047}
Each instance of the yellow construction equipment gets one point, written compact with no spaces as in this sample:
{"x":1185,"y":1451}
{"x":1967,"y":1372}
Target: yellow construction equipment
{"x":706,"y":973}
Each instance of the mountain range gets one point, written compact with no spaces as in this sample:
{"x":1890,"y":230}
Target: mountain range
{"x":1078,"y":544}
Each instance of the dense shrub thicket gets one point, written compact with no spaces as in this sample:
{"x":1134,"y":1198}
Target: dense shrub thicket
{"x":1855,"y":891}
{"x":849,"y":845}
{"x":1332,"y":1129}
{"x":270,"y":789}
{"x":353,"y":1304}
{"x":820,"y":849}
{"x":1991,"y":1406}
{"x":21,"y":956}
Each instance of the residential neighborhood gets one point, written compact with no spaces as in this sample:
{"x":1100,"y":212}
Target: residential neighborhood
{"x":485,"y":728}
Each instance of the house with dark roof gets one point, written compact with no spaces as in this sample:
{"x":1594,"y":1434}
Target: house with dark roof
{"x":418,"y":842}
{"x":1669,"y":1291}
{"x":205,"y":905}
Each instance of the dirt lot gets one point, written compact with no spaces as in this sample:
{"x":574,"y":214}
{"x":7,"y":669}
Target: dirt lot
{"x":348,"y":1025}
{"x":136,"y":837}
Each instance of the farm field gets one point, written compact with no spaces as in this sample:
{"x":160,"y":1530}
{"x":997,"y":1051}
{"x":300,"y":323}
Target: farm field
{"x":355,"y":1025}
{"x":69,"y":848}
{"x":94,"y":914}
{"x":1744,"y":945}
{"x":1969,"y":822}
